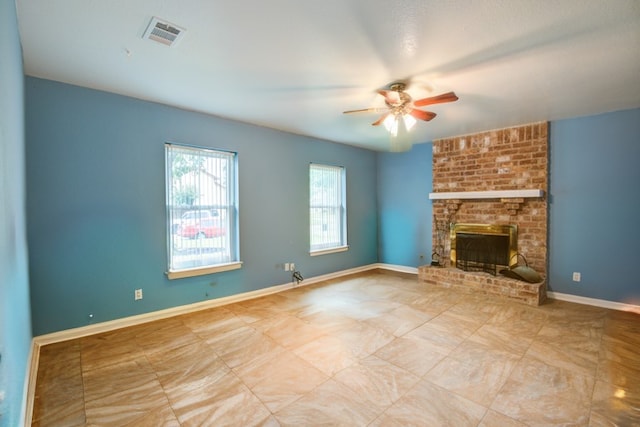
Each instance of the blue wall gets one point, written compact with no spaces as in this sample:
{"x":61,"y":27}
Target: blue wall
{"x":595,"y":200}
{"x":15,"y":317}
{"x":95,"y":206}
{"x":95,"y":175}
{"x":404,"y":208}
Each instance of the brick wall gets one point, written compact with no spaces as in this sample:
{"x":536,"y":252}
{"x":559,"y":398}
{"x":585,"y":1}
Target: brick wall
{"x":506,"y":159}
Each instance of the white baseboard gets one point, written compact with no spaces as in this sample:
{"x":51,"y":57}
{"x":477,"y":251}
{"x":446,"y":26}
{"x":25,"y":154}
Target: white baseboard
{"x":398,"y":268}
{"x":595,"y":302}
{"x":29,"y":392}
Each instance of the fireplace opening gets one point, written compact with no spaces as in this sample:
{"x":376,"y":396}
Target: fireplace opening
{"x":483,"y":247}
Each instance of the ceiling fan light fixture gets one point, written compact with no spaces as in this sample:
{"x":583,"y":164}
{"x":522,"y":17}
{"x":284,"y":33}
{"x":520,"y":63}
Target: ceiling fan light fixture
{"x":391,"y":123}
{"x":400,"y":140}
{"x":393,"y":126}
{"x":409,"y":121}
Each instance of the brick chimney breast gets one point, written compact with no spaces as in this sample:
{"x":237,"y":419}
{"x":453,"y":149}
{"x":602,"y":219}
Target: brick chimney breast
{"x":505,"y":159}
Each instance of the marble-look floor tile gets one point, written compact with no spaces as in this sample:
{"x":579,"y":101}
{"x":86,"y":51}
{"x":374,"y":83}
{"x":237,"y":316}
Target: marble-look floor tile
{"x":51,"y":412}
{"x":330,"y":404}
{"x":288,"y":331}
{"x":142,"y":403}
{"x":456,"y":324}
{"x":478,"y":304}
{"x":59,"y":391}
{"x":281,"y":380}
{"x":250,"y":347}
{"x":60,"y":381}
{"x":568,"y":351}
{"x":519,"y":320}
{"x":327,"y":353}
{"x":540,"y":394}
{"x":443,"y":333}
{"x":432,"y":305}
{"x":615,"y":405}
{"x":496,"y":419}
{"x":362,"y":339}
{"x":206,"y":326}
{"x":110,"y":348}
{"x":329,"y":322}
{"x":370,"y":309}
{"x":499,"y":339}
{"x":378,"y":381}
{"x":202,"y":319}
{"x":131,"y":416}
{"x":615,"y":349}
{"x":339,"y":302}
{"x":188,"y":366}
{"x":166,"y":335}
{"x":480,"y":353}
{"x":617,"y":373}
{"x":120,"y":377}
{"x":479,"y":381}
{"x":560,"y":312}
{"x":398,"y":291}
{"x":429,"y":405}
{"x":226,"y":401}
{"x":589,"y":328}
{"x":304,"y":357}
{"x":221,"y":340}
{"x":66,"y":351}
{"x":400,"y":320}
{"x":415,"y":355}
{"x":257,"y":309}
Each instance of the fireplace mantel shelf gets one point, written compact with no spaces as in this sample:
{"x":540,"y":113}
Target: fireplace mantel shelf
{"x":495,"y":194}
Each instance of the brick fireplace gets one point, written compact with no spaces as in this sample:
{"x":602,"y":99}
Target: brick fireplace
{"x":500,"y":178}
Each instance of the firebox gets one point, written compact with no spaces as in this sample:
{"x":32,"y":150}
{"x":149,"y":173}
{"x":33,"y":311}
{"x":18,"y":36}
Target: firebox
{"x":483,"y":247}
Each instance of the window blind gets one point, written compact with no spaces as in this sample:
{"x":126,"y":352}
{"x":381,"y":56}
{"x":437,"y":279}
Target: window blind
{"x":201,"y":207}
{"x":327,"y":212}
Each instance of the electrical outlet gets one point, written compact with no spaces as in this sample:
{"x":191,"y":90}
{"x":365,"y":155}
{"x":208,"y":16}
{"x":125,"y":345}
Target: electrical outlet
{"x":137,"y":294}
{"x":286,"y":266}
{"x":292,"y":267}
{"x":576,"y":276}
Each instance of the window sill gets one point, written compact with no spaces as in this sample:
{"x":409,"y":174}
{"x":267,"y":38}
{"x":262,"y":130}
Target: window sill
{"x":329,"y":250}
{"x":179,"y":274}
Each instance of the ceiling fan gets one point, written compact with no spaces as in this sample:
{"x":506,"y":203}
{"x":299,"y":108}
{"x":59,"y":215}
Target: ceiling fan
{"x":400,"y":104}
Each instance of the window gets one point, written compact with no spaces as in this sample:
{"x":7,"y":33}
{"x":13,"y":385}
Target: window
{"x":202,"y":213}
{"x":327,"y":209}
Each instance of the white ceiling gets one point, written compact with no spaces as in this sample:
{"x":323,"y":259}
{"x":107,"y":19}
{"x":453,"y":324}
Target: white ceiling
{"x":295,"y":65}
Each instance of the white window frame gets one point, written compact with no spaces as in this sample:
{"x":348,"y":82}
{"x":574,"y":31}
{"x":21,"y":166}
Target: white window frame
{"x":327,"y":231}
{"x":202,"y":212}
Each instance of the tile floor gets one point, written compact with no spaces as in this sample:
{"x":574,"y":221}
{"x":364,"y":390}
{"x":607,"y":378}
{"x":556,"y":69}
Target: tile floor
{"x":368,"y":350}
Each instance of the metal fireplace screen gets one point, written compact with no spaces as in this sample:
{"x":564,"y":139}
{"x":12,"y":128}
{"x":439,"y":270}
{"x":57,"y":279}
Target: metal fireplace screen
{"x":483,"y":247}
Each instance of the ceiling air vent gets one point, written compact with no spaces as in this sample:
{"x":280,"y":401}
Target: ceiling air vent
{"x":163,"y":32}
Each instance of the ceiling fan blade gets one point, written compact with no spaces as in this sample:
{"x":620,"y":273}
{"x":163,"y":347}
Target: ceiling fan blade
{"x":380,"y":120}
{"x":439,"y":99}
{"x":366,"y":110}
{"x":422,"y":115}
